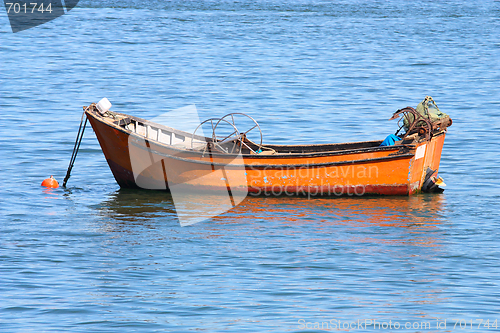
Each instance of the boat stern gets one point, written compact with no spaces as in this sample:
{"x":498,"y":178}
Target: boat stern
{"x":424,"y":166}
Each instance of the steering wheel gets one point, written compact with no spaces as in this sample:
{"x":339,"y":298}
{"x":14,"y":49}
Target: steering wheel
{"x":241,"y":136}
{"x":218,"y":142}
{"x":425,"y":129}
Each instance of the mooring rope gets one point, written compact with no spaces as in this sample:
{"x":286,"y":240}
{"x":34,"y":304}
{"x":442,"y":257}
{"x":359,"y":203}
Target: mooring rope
{"x":78,"y":141}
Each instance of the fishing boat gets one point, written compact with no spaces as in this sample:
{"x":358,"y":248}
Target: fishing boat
{"x":146,"y":154}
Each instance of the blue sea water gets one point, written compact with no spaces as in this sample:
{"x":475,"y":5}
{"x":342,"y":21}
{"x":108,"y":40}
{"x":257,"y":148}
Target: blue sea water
{"x":96,"y":258}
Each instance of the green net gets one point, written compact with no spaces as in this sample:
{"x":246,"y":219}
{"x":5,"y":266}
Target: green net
{"x":428,"y":109}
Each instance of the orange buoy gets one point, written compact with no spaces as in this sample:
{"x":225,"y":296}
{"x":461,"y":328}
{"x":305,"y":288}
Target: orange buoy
{"x":50,"y":182}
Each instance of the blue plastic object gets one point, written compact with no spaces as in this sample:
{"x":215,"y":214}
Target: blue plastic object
{"x":390,"y":140}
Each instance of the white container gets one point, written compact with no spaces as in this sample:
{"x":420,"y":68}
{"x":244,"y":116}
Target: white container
{"x":103,"y":106}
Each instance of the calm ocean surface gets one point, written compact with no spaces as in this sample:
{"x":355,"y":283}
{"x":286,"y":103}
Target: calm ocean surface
{"x":94,"y":258}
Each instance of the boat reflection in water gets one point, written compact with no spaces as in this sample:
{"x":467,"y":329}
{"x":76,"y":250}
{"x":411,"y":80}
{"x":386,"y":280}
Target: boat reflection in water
{"x":157,"y":207}
{"x":355,"y":220}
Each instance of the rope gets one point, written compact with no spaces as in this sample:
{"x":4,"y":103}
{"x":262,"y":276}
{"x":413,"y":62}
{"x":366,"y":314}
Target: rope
{"x":78,"y":141}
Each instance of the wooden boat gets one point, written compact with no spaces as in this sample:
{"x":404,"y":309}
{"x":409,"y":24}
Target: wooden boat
{"x":144,"y":154}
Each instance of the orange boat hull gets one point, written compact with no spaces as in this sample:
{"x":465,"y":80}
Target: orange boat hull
{"x":395,"y":170}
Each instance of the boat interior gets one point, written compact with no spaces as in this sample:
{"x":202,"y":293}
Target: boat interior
{"x":238,"y":141}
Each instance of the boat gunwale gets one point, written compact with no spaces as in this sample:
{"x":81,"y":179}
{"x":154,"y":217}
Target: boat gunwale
{"x":395,"y":148}
{"x":278,"y":166}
